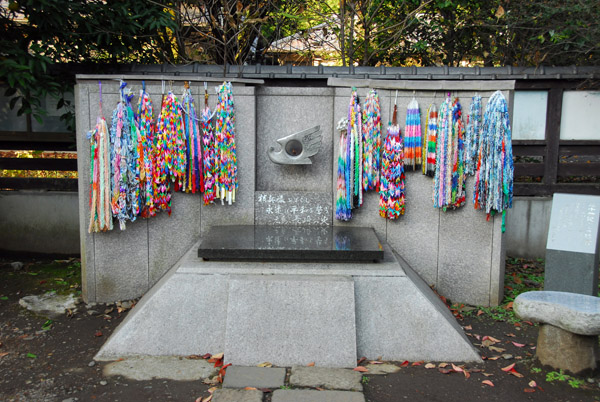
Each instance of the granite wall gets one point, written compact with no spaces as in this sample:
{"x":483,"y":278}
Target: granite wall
{"x":458,"y":252}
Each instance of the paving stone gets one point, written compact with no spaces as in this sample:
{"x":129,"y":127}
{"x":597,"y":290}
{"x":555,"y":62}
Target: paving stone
{"x":144,"y":368}
{"x":304,"y":395}
{"x":382,"y":368}
{"x":258,"y":377}
{"x":237,"y":395}
{"x":329,"y":378}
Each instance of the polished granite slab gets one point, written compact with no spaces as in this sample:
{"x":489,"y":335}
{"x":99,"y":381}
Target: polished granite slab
{"x":291,"y":243}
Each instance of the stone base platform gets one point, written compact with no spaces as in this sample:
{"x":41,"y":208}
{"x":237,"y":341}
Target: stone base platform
{"x":291,"y":313}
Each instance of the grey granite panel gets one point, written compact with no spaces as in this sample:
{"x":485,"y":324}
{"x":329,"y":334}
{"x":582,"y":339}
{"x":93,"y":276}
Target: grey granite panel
{"x":398,"y":320}
{"x":292,"y":208}
{"x":83,"y":125}
{"x":498,"y":263}
{"x":242,"y":211}
{"x":326,"y":377}
{"x":122,"y":262}
{"x":573,"y":312}
{"x":307,"y":395}
{"x":170,"y":237}
{"x":415,"y":234}
{"x":465,"y":254}
{"x":291,"y":111}
{"x":281,"y":319}
{"x":571,"y":272}
{"x":257,"y":377}
{"x":179,"y":316}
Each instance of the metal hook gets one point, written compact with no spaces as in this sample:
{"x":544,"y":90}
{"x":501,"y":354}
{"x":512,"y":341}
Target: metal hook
{"x":396,"y":100}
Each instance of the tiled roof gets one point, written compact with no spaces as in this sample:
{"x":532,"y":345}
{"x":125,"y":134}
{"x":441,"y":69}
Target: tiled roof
{"x":381,"y":73}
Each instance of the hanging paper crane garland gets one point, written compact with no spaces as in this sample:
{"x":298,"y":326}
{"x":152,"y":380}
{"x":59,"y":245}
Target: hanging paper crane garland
{"x":371,"y":125}
{"x":412,"y":137}
{"x":493,"y":189}
{"x":225,"y":137}
{"x":391,"y":189}
{"x":430,"y":140}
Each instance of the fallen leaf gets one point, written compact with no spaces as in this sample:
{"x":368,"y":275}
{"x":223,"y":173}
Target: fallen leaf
{"x":206,"y":356}
{"x":267,"y":364}
{"x":480,"y":312}
{"x":475,"y":370}
{"x":211,"y":381}
{"x":265,"y":390}
{"x":98,"y":333}
{"x":529,"y":390}
{"x":445,"y":371}
{"x":528,"y":323}
{"x":491,"y":338}
{"x":478,"y":337}
{"x":429,"y":366}
{"x":487,"y":382}
{"x":467,"y":374}
{"x":194,"y":357}
{"x":212,"y":389}
{"x":420,"y":362}
{"x":509,"y":367}
{"x":493,"y":358}
{"x":496,"y":349}
{"x":4,"y":354}
{"x":532,"y":384}
{"x":405,"y":363}
{"x":509,"y":306}
{"x":468,"y":328}
{"x":532,"y":348}
{"x":375,"y":362}
{"x":456,"y":368}
{"x":207,"y":399}
{"x":311,"y":364}
{"x":515,"y":373}
{"x":218,"y":356}
{"x":250,"y":389}
{"x":319,"y":389}
{"x":362,"y":359}
{"x":519,"y":345}
{"x":499,"y":12}
{"x":510,"y":335}
{"x":487,"y":374}
{"x":362,"y":369}
{"x":442,"y":365}
{"x":487,"y":343}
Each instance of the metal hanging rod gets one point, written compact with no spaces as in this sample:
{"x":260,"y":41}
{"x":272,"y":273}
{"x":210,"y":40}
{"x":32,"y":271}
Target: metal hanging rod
{"x":189,"y":78}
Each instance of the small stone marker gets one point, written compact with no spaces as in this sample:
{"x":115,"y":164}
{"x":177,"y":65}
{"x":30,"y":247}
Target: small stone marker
{"x":572,"y":247}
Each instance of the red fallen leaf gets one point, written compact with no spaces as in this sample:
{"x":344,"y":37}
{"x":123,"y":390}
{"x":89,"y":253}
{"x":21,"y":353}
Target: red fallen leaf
{"x":311,"y":364}
{"x":529,"y":390}
{"x":218,"y":363}
{"x":479,"y":313}
{"x":445,"y":371}
{"x":532,"y":384}
{"x":517,"y":324}
{"x":509,"y":367}
{"x":121,"y":359}
{"x":362,"y":369}
{"x":42,"y":282}
{"x":509,"y":306}
{"x":487,"y":382}
{"x":528,"y":323}
{"x":405,"y":363}
{"x":475,"y":370}
{"x":515,"y":373}
{"x":250,"y":389}
{"x":477,"y":337}
{"x":491,"y":338}
{"x":98,"y":333}
{"x":265,"y":390}
{"x":468,"y":328}
{"x":223,"y":369}
{"x":467,"y":374}
{"x":206,"y":356}
{"x":362,"y":359}
{"x":519,"y":345}
{"x":418,"y":363}
{"x":540,"y":388}
{"x":375,"y":362}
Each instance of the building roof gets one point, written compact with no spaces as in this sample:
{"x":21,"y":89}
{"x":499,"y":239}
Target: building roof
{"x":381,"y":73}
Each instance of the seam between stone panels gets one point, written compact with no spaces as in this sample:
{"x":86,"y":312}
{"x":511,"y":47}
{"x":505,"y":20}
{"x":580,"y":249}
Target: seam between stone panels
{"x":492,"y":264}
{"x":437,"y":259}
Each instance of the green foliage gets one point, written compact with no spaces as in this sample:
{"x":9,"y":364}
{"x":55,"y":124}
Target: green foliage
{"x":365,"y":379}
{"x":536,"y":370}
{"x":39,"y":34}
{"x":561,"y":376}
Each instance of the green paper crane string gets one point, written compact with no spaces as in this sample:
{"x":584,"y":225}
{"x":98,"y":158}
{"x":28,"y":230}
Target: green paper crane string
{"x":493,"y":188}
{"x":209,"y":150}
{"x":449,"y":181}
{"x":192,"y":179}
{"x":100,"y":196}
{"x":356,"y":149}
{"x":371,"y":125}
{"x":225,"y":137}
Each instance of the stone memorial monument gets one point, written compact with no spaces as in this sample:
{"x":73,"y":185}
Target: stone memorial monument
{"x":572,"y":248}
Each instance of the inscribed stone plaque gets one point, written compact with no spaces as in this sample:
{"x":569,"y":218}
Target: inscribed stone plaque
{"x":292,"y":208}
{"x":572,"y":248}
{"x":574,"y":223}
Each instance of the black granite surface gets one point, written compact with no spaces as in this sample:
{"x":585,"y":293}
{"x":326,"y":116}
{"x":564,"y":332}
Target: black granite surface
{"x":291,"y":243}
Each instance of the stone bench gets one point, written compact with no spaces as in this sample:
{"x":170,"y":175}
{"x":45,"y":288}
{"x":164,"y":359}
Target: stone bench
{"x":569,"y":327}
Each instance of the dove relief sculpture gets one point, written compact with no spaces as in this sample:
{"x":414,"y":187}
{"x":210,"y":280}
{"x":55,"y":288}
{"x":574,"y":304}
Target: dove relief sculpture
{"x":297,"y":148}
